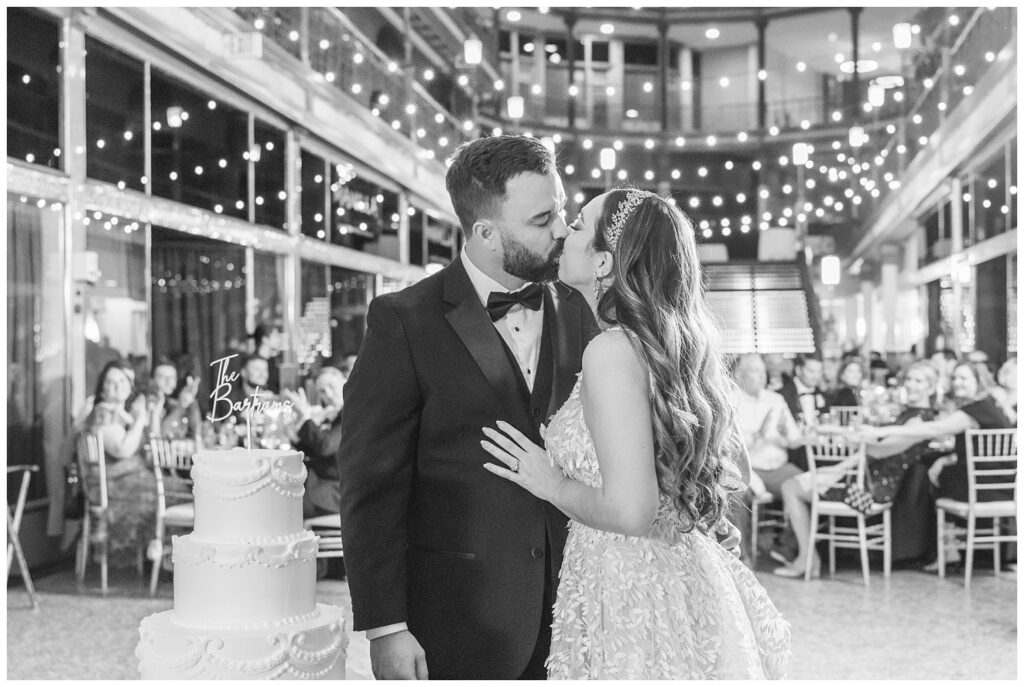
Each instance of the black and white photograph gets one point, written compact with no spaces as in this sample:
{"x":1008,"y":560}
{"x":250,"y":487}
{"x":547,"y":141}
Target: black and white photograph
{"x":473,"y":342}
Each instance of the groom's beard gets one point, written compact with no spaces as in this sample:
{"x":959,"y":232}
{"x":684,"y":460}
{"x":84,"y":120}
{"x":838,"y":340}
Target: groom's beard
{"x":520,"y":261}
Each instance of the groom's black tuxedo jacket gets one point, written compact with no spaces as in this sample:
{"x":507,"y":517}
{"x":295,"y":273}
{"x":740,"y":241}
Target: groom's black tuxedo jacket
{"x":431,"y":538}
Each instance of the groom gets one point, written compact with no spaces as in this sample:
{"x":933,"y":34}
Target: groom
{"x":453,"y":570}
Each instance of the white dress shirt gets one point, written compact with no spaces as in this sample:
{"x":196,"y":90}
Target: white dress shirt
{"x":808,"y":399}
{"x":760,"y":417}
{"x":521,"y":330}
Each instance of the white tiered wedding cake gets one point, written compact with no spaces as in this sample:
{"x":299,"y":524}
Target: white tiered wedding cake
{"x":245,"y":580}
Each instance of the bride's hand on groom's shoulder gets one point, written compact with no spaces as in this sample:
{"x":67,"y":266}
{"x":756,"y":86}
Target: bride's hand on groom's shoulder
{"x":522,"y":461}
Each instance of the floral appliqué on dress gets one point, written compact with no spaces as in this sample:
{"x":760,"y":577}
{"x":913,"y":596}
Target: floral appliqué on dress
{"x":667,"y":605}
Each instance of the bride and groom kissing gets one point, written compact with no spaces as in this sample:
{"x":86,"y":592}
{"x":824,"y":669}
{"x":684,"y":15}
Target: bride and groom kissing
{"x":527,"y":493}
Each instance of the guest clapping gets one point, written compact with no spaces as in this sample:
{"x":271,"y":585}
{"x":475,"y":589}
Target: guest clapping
{"x":119,"y":416}
{"x":769,"y":431}
{"x":174,"y":413}
{"x":319,"y":436}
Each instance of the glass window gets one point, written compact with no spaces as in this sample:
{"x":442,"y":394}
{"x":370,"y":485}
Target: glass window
{"x":1011,"y":199}
{"x":198,"y":302}
{"x":640,"y":53}
{"x":314,"y":195}
{"x":269,"y":288}
{"x":417,"y":236}
{"x":114,"y":116}
{"x":991,"y":210}
{"x":314,"y":336}
{"x":200,"y":149}
{"x":364,"y":216}
{"x":37,"y":404}
{"x":442,"y":241}
{"x":116,"y":314}
{"x":351,"y":292}
{"x":270,"y":191}
{"x":33,"y":87}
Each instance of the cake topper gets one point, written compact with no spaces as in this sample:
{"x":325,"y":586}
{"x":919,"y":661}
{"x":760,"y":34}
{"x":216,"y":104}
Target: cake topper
{"x":223,"y":407}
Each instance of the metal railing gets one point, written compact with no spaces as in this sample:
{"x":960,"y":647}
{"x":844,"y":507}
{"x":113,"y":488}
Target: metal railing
{"x":330,"y":44}
{"x":963,"y":53}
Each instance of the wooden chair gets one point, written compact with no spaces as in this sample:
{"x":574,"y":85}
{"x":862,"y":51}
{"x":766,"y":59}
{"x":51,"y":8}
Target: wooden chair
{"x":172,"y":463}
{"x":14,"y":550}
{"x":92,"y":467}
{"x":991,"y":464}
{"x":328,"y":527}
{"x":846,"y":415}
{"x":834,"y":454}
{"x":774,"y":516}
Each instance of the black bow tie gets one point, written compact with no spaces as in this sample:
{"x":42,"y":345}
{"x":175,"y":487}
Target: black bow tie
{"x":807,"y":393}
{"x":500,"y":302}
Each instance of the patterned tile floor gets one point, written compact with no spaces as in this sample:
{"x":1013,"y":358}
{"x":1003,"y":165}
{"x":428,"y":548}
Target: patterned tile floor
{"x":913,"y":626}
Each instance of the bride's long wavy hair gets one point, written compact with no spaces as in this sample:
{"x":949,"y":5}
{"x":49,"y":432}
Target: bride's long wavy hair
{"x":659,"y":296}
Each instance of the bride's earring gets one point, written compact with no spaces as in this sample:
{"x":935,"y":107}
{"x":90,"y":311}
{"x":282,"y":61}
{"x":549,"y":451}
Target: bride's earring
{"x":598,"y":284}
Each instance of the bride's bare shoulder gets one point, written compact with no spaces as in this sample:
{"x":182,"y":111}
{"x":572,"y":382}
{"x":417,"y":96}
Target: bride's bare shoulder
{"x":611,"y":350}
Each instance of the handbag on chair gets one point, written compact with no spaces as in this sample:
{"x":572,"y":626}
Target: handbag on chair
{"x":857,"y":497}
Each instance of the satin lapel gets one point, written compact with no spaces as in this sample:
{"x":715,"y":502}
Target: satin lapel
{"x":566,"y":345}
{"x":473,"y":326}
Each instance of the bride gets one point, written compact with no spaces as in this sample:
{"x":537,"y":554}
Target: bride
{"x":641,"y":457}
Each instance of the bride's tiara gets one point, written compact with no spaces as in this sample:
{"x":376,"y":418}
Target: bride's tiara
{"x":626,"y":207}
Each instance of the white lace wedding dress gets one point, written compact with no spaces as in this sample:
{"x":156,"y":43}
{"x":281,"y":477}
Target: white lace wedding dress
{"x":667,"y":605}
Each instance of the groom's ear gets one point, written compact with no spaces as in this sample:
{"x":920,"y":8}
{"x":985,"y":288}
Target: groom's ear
{"x":485,"y":231}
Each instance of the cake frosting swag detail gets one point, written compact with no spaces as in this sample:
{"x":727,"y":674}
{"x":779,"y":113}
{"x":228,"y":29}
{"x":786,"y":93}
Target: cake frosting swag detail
{"x":245,"y":580}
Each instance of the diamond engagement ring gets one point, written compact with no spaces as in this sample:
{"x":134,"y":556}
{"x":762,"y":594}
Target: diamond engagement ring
{"x":515,"y":467}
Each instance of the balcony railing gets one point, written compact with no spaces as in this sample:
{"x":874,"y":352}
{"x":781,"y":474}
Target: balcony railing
{"x":330,"y":44}
{"x":963,"y":53}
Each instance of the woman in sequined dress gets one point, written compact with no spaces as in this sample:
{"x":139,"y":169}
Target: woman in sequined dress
{"x":642,"y":457}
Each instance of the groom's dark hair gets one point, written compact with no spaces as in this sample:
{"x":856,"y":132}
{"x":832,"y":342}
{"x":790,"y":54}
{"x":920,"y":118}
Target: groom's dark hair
{"x":479,"y":171}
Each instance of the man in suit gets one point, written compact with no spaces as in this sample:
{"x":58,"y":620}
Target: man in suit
{"x":319,"y":436}
{"x":452,"y":570}
{"x":804,"y":399}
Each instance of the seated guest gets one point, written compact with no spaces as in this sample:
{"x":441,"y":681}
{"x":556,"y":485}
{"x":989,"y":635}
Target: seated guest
{"x":119,"y":416}
{"x":768,"y":430}
{"x":173,"y":408}
{"x":266,"y":343}
{"x":977,"y":409}
{"x":804,"y":399}
{"x":319,"y":436}
{"x":879,"y":373}
{"x":847,"y":392}
{"x":253,"y":375}
{"x":888,"y":463}
{"x":944,"y":360}
{"x":1006,"y":391}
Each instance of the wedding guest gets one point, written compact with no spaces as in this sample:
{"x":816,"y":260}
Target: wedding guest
{"x":119,"y":415}
{"x":804,"y":399}
{"x":1006,"y":392}
{"x":847,"y":392}
{"x":174,"y":412}
{"x":887,"y":464}
{"x":253,"y":377}
{"x":768,"y":431}
{"x":944,"y":360}
{"x":266,"y":343}
{"x":319,"y":436}
{"x":642,"y":458}
{"x":977,"y":409}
